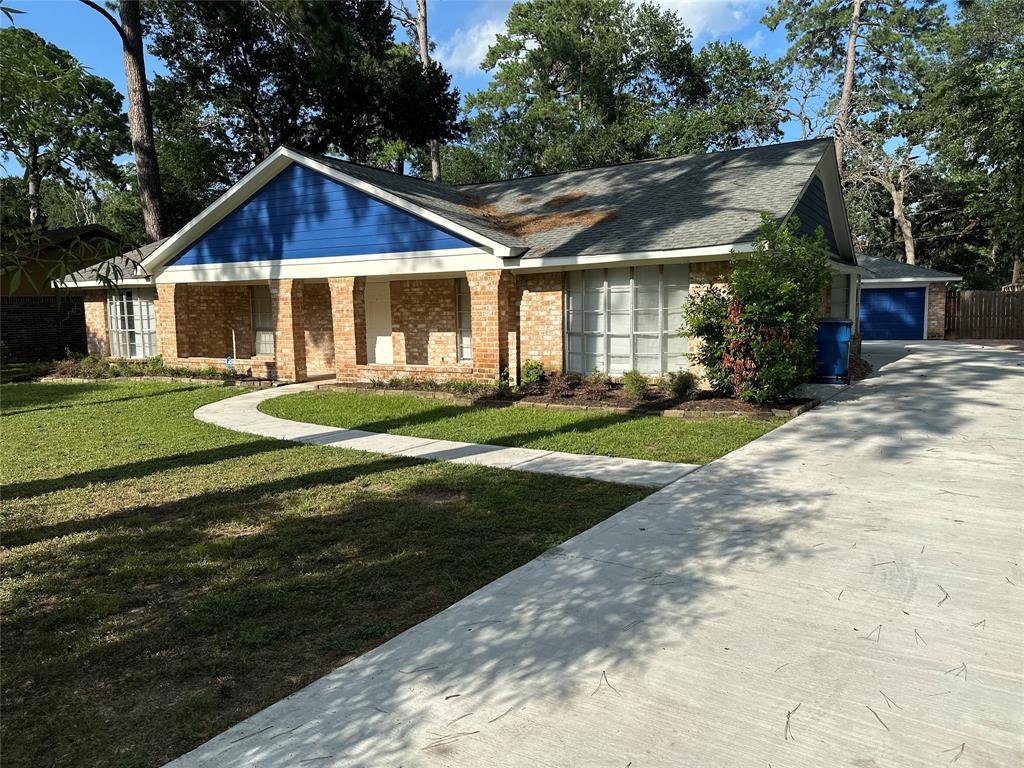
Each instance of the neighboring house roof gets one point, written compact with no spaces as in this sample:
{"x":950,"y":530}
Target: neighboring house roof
{"x":880,"y":269}
{"x":706,"y":201}
{"x":40,"y":254}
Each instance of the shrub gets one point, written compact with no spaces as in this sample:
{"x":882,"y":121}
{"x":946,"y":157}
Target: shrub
{"x":682,"y":385}
{"x":635,"y":383}
{"x":758,"y":341}
{"x":109,"y":368}
{"x":533,"y":372}
{"x":462,"y":387}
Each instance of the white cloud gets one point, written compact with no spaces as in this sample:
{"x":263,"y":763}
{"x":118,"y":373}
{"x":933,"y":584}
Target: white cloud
{"x":465,"y":49}
{"x":713,"y":18}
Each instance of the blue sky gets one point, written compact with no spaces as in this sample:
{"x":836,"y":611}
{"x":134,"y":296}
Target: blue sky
{"x":461,"y":29}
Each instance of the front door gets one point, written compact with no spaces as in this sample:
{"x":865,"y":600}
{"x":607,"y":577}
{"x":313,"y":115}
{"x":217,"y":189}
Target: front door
{"x":378,"y":323}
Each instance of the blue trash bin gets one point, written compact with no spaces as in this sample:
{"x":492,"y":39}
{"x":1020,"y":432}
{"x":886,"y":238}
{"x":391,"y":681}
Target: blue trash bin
{"x":833,"y":358}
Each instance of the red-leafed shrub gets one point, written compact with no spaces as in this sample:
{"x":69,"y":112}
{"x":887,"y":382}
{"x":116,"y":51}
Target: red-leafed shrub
{"x":758,"y":337}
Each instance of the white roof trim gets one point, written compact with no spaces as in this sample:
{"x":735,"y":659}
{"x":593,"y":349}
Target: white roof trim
{"x":705,"y":253}
{"x":276,"y":162}
{"x":921,"y":280}
{"x":409,"y":264}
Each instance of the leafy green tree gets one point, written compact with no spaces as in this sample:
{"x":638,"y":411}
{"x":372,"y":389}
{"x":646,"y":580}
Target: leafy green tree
{"x":758,"y":337}
{"x":588,"y":82}
{"x":869,"y":55}
{"x":975,"y":115}
{"x":314,"y":75}
{"x":857,"y":49}
{"x":59,"y":122}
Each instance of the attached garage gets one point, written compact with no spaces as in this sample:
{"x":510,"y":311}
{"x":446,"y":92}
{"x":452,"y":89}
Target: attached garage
{"x":901,"y":302}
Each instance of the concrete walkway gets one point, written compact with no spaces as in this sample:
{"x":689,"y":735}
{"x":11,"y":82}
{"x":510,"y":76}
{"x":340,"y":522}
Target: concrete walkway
{"x":845,"y":591}
{"x":242,"y":414}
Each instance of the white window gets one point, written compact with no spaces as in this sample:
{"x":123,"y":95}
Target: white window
{"x":840,"y":300}
{"x":624,"y":318}
{"x":464,"y":321}
{"x":262,"y":320}
{"x":132,"y":323}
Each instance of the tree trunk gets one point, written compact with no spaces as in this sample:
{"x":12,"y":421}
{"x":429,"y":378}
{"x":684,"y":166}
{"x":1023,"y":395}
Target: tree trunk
{"x":906,"y":230}
{"x":140,"y":120}
{"x":424,"y":43}
{"x":36,"y":217}
{"x":846,"y":96}
{"x":1015,"y":277}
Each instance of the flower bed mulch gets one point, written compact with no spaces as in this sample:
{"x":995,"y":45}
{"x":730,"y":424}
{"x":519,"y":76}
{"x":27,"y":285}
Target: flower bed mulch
{"x":576,"y":393}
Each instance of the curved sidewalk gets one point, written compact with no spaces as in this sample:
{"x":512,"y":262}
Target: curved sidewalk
{"x":242,"y":414}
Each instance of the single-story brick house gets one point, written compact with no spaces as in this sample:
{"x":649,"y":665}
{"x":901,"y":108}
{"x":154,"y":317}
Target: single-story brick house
{"x":902,"y":301}
{"x":311,"y":265}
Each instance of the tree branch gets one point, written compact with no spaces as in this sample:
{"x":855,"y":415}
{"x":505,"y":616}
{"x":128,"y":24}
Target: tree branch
{"x":109,"y":17}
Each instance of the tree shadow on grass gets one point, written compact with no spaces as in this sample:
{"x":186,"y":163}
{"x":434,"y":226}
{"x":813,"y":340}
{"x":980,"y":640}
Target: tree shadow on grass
{"x":58,"y":392}
{"x":143,"y":468}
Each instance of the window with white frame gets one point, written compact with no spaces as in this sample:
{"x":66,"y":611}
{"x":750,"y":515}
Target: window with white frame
{"x":626,"y":318}
{"x":839,"y":303}
{"x":464,"y":321}
{"x":132,"y":323}
{"x":262,"y":320}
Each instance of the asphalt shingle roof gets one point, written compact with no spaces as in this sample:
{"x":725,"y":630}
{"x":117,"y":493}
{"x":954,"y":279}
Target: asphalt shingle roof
{"x":879,"y":268}
{"x":679,"y":202}
{"x":126,"y":263}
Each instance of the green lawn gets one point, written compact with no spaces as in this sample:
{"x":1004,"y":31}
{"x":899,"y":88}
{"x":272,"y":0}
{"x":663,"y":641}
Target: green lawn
{"x":164,"y":578}
{"x":604,"y":433}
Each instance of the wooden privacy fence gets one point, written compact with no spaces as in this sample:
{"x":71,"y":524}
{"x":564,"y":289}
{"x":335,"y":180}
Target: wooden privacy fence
{"x":984,"y":315}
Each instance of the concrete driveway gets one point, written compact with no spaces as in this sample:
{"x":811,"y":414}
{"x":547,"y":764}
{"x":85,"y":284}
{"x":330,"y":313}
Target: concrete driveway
{"x":846,"y":591}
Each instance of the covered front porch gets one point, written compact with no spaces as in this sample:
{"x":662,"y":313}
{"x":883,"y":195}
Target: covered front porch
{"x":458,"y":326}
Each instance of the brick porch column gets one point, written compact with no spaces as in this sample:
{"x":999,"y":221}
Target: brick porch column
{"x":489,"y":292}
{"x":96,"y":324}
{"x":348,"y":316}
{"x":289,"y":329}
{"x":168,"y":344}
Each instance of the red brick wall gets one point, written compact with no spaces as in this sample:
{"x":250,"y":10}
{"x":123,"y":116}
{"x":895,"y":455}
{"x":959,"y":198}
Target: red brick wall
{"x":937,"y":310}
{"x":205,"y":318}
{"x":541,"y":318}
{"x":97,"y":332}
{"x":423,"y":322}
{"x":491,"y":299}
{"x":319,"y":328}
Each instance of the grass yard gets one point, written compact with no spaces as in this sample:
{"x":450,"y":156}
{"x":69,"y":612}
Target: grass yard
{"x":603,"y":433}
{"x":164,"y":578}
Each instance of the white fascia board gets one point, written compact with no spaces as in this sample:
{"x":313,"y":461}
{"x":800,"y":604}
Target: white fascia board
{"x":562,"y":263}
{"x":276,"y":162}
{"x":905,"y":282}
{"x":410,"y":264}
{"x":133,"y":282}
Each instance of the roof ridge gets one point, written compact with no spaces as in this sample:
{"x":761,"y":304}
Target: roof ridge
{"x":737,"y":150}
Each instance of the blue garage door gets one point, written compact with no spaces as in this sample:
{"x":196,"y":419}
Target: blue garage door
{"x":892,"y":313}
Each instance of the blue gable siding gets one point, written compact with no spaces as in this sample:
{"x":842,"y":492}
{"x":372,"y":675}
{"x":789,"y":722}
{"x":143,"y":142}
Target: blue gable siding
{"x":302,"y":214}
{"x":812,"y":210}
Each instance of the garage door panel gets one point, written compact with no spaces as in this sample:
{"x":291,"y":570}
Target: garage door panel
{"x":892,"y":313}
